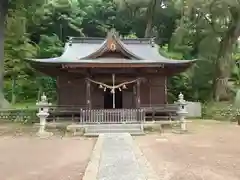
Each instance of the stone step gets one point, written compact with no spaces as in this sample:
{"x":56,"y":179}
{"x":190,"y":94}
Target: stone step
{"x":114,"y":126}
{"x":96,"y":129}
{"x":133,"y":129}
{"x":97,"y":134}
{"x":113,"y":130}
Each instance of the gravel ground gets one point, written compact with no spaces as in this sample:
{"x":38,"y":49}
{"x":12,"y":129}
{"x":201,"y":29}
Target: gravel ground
{"x":31,"y":158}
{"x":210,"y":151}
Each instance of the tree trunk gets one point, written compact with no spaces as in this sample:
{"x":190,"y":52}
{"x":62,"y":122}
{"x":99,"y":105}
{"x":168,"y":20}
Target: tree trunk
{"x":150,"y":17}
{"x":223,"y":72}
{"x":224,"y":64}
{"x":40,"y":91}
{"x":13,"y":100}
{"x":3,"y":12}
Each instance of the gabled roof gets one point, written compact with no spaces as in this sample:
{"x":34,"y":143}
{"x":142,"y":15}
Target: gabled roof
{"x":89,"y":50}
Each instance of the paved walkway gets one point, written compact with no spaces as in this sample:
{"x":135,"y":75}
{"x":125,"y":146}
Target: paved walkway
{"x":116,"y":157}
{"x":118,"y":160}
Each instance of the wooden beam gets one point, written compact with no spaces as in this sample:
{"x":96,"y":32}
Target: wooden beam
{"x":58,"y":90}
{"x":88,"y":94}
{"x":165,"y":89}
{"x":138,"y":103}
{"x":111,"y":65}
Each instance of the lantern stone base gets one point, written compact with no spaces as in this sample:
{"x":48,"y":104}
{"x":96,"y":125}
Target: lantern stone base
{"x":44,"y":134}
{"x":179,"y":131}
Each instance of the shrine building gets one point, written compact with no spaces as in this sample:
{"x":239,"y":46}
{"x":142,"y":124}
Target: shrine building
{"x":111,"y":72}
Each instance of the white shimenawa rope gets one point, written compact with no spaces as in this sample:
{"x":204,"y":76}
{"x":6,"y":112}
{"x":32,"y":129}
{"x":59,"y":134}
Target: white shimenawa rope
{"x":115,"y":86}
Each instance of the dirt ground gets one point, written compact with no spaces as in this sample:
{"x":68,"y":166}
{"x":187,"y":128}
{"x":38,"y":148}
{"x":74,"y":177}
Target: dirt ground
{"x":31,"y":158}
{"x":210,"y":151}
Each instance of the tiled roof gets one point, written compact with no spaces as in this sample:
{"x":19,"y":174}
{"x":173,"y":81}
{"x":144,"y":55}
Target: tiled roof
{"x":143,"y":50}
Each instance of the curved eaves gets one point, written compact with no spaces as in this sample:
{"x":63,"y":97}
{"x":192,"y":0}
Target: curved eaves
{"x":174,"y":69}
{"x":128,"y":51}
{"x":77,"y":51}
{"x":97,"y":51}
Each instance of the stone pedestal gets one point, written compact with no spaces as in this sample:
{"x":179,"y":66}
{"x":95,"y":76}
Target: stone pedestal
{"x":42,"y":132}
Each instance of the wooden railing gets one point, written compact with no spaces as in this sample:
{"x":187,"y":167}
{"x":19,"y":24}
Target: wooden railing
{"x":161,"y":111}
{"x":82,"y":114}
{"x":115,"y":116}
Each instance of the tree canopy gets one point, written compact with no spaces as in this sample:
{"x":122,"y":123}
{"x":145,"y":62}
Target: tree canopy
{"x":204,"y":29}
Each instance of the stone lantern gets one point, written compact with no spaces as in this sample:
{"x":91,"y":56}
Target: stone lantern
{"x":182,"y":111}
{"x":43,"y":108}
{"x":43,"y":104}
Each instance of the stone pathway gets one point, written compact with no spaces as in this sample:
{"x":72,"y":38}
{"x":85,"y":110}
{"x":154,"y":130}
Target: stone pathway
{"x":116,"y":157}
{"x":118,"y":160}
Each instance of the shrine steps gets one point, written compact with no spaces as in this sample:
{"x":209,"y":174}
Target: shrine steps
{"x":97,"y":129}
{"x":97,"y":134}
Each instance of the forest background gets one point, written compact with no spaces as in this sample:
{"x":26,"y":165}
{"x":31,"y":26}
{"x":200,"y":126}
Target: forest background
{"x":207,"y":30}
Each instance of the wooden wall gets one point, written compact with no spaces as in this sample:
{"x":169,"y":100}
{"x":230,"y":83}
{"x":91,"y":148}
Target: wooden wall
{"x":157,"y":90}
{"x":128,"y":98}
{"x":97,"y":97}
{"x":153,"y":90}
{"x":73,"y":92}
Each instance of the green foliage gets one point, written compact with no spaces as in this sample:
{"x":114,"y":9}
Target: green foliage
{"x":236,"y":75}
{"x":61,"y":17}
{"x":50,"y":46}
{"x":236,"y":55}
{"x":180,"y":83}
{"x":183,"y":30}
{"x":237,"y":99}
{"x":17,"y":45}
{"x":48,"y":86}
{"x":223,"y":111}
{"x":210,"y":30}
{"x":170,"y":54}
{"x":23,"y":116}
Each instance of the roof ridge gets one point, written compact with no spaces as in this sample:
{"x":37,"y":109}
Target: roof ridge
{"x":85,"y":39}
{"x":137,"y":41}
{"x":100,"y":40}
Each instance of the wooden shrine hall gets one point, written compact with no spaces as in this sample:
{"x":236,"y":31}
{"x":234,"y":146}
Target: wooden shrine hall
{"x":111,"y":72}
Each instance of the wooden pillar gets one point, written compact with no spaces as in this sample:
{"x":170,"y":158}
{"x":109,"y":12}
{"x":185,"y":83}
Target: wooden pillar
{"x":138,"y":98}
{"x":58,"y":90}
{"x":150,"y":94}
{"x":88,"y":94}
{"x":165,"y":91}
{"x":134,"y":100}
